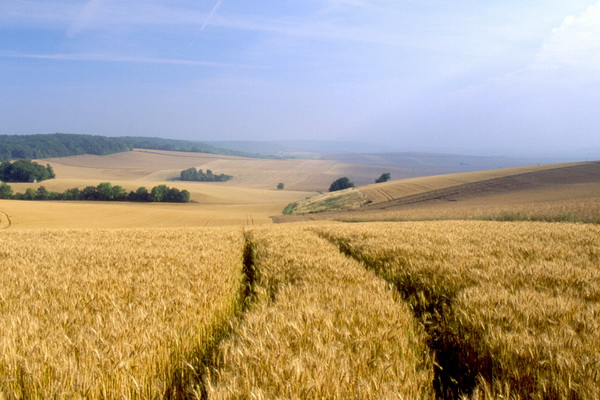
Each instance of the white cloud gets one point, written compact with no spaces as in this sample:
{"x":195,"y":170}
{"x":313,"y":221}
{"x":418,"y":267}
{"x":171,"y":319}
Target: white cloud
{"x":575,"y":44}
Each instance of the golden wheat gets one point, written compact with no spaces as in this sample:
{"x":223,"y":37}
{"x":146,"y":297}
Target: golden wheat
{"x":113,"y":313}
{"x":322,"y":327}
{"x":513,"y":309}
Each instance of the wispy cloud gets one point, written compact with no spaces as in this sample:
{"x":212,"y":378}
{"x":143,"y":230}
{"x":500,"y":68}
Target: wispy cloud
{"x":122,"y":59}
{"x":212,"y":12}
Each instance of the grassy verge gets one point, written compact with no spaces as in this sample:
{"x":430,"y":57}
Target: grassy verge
{"x":289,"y":209}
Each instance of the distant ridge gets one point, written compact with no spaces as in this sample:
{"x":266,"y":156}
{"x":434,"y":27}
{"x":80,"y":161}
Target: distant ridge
{"x":67,"y":144}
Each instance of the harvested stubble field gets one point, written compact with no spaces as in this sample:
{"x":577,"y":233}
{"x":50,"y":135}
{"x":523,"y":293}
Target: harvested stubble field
{"x":417,"y":310}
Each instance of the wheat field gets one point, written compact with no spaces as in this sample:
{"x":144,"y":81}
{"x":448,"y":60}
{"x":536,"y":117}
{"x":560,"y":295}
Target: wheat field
{"x":128,"y":300}
{"x":444,"y":309}
{"x":114,"y":313}
{"x":512,"y":309}
{"x":321,"y":327}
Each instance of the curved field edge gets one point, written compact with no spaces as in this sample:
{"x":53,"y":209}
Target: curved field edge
{"x":511,"y":310}
{"x":116,"y":313}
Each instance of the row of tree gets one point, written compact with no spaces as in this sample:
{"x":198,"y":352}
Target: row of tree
{"x":105,"y":191}
{"x":14,"y":147}
{"x":25,"y":171}
{"x":192,"y":174}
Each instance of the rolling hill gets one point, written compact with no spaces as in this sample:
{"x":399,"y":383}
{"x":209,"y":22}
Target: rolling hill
{"x":537,"y":191}
{"x":569,"y":190}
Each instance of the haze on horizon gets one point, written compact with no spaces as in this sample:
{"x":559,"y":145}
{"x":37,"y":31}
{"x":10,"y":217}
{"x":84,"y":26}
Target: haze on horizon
{"x":496,"y":77}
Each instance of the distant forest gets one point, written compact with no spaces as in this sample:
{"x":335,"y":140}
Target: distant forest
{"x":14,"y":147}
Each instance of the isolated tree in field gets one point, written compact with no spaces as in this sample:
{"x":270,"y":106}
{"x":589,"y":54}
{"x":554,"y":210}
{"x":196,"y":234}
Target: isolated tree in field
{"x":341,"y":184}
{"x":280,"y":186}
{"x":383,"y":178}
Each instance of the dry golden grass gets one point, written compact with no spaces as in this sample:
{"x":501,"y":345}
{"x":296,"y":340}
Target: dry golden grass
{"x":322,"y":327}
{"x":512,"y":309}
{"x":114,"y":313}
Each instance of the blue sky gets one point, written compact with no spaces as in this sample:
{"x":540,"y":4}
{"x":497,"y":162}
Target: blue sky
{"x":463,"y":76}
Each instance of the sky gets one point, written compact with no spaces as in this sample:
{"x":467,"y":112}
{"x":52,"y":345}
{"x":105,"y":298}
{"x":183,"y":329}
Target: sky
{"x":494,"y":77}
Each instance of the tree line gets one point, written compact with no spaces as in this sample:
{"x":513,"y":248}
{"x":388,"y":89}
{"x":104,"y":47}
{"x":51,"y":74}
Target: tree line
{"x":192,"y":174}
{"x":105,"y":191}
{"x":15,"y":147}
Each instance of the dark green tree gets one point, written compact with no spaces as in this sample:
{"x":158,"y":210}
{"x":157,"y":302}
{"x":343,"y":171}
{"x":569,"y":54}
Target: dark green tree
{"x":42,"y":194}
{"x":118,"y":193}
{"x":158,"y":193}
{"x":280,"y":186}
{"x":72,"y":194}
{"x":141,"y":195}
{"x":383,"y":178}
{"x":104,"y":191}
{"x":29,"y":194}
{"x":89,"y":193}
{"x":6,"y":192}
{"x":341,"y":184}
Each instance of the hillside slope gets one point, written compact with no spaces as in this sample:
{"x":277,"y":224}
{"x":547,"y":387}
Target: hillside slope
{"x":572,"y":188}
